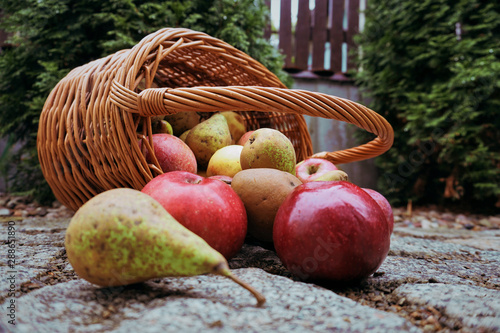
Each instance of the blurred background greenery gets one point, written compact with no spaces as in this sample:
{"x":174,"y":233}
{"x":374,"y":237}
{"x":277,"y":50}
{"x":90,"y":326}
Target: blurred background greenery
{"x":432,"y":69}
{"x":51,"y":37}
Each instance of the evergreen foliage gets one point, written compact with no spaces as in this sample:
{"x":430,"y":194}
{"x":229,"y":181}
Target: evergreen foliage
{"x":432,"y":68}
{"x":51,"y":37}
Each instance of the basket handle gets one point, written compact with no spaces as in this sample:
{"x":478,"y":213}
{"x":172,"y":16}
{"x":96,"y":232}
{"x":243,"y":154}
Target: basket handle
{"x":163,"y":101}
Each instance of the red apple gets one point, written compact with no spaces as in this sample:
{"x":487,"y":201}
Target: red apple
{"x":244,"y":138}
{"x":226,"y":179}
{"x":172,"y":154}
{"x":311,"y":168}
{"x":384,"y":204}
{"x":331,"y":232}
{"x":208,"y":207}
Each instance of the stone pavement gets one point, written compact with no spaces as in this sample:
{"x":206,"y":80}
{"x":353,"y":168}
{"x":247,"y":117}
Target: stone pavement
{"x":437,"y":278}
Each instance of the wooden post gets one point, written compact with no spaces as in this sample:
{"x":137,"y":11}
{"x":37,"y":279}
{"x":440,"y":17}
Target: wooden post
{"x":353,"y":29}
{"x":302,"y":36}
{"x":285,"y":33}
{"x":319,"y":36}
{"x":304,"y":48}
{"x":337,"y":35}
{"x":268,"y":28}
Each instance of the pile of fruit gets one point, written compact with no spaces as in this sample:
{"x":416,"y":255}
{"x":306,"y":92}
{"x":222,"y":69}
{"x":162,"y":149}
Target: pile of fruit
{"x":222,"y":184}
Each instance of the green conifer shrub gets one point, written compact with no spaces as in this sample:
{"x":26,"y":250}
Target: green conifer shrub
{"x":432,"y":68}
{"x":51,"y":37}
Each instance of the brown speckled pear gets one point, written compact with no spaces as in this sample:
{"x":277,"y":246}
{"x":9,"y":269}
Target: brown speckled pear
{"x":262,"y":191}
{"x":236,"y":124}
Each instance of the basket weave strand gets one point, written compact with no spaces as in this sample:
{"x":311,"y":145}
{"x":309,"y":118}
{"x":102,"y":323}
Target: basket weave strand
{"x":242,"y":98}
{"x":95,"y":127}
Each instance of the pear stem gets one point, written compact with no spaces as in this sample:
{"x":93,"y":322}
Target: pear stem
{"x":223,"y":269}
{"x":260,"y":298}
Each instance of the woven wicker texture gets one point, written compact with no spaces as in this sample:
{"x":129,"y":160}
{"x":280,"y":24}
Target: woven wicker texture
{"x":95,"y":117}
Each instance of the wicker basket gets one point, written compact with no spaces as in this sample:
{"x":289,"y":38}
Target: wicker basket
{"x":88,"y":139}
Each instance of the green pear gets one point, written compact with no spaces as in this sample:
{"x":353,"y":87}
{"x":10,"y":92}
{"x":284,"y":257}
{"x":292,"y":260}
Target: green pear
{"x":155,"y":124}
{"x":184,"y":135}
{"x":162,"y":126}
{"x":123,"y":236}
{"x":182,"y":121}
{"x":207,"y":137}
{"x":333,"y":175}
{"x":155,"y":119}
{"x":236,"y":124}
{"x":268,"y":148}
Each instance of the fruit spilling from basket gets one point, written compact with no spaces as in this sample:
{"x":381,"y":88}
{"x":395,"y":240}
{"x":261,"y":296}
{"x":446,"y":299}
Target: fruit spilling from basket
{"x":221,"y":185}
{"x":159,"y":117}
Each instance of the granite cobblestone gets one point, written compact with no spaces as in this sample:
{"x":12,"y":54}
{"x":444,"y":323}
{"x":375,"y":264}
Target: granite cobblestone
{"x":440,"y":276}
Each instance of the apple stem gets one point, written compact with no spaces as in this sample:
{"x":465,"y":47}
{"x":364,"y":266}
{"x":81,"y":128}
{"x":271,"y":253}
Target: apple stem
{"x":224,"y":271}
{"x":313,"y":169}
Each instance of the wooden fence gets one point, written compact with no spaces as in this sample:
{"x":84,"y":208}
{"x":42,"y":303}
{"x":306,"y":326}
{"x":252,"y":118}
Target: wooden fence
{"x":319,"y":44}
